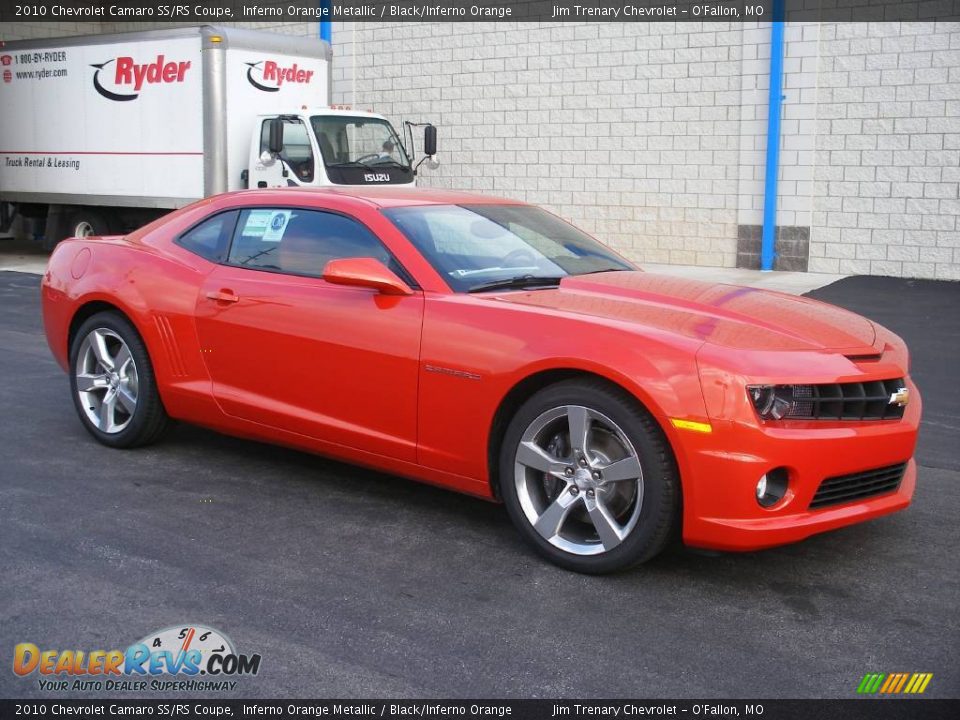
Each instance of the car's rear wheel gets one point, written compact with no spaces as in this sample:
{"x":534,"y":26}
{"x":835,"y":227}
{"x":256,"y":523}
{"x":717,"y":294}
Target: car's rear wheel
{"x":113,"y":385}
{"x":588,"y":477}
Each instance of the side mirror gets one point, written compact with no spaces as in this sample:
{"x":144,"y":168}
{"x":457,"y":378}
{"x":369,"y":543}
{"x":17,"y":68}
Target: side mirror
{"x":365,"y":272}
{"x":275,"y":141}
{"x":430,"y":140}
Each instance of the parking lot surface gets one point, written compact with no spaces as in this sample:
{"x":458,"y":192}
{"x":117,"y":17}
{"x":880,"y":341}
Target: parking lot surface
{"x":352,"y":583}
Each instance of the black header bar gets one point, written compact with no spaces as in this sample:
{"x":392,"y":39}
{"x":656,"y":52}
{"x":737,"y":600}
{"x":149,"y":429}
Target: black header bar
{"x":225,"y":11}
{"x":873,"y":709}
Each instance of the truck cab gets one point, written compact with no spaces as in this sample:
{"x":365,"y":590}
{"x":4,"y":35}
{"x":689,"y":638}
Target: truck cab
{"x":321,"y":147}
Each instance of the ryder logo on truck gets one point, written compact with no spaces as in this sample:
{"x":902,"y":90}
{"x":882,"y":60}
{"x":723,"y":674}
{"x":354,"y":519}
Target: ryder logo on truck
{"x":127,"y":74}
{"x":273,"y":75}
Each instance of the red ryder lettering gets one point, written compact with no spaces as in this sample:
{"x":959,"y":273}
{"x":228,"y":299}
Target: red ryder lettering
{"x":272,"y":72}
{"x":159,"y":71}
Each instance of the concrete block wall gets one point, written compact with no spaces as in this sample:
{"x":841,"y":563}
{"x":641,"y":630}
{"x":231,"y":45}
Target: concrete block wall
{"x":32,"y":31}
{"x":795,"y":179}
{"x":888,"y":150}
{"x":652,"y":136}
{"x":631,"y":131}
{"x":798,"y":123}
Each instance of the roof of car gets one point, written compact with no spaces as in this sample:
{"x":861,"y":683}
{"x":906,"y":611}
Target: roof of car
{"x":380,"y":196}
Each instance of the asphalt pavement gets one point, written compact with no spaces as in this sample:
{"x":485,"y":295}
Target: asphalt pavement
{"x":351,"y":583}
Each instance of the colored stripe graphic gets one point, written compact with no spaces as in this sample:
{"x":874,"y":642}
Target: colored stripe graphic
{"x":918,"y":683}
{"x":870,"y":683}
{"x":907,"y":683}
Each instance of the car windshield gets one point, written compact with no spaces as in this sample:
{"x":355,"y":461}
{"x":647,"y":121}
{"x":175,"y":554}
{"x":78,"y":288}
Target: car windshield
{"x":490,"y":246}
{"x":347,"y":140}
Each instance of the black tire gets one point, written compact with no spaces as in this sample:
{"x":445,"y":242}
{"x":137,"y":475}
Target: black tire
{"x":97,"y":221}
{"x":149,"y":420}
{"x":660,"y":487}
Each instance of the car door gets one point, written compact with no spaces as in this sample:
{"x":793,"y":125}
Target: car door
{"x":287,"y":349}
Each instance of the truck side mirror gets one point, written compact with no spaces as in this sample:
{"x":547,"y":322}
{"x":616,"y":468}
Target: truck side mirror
{"x":430,"y":140}
{"x":275,"y":141}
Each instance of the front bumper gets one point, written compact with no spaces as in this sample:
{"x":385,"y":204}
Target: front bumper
{"x":720,"y":471}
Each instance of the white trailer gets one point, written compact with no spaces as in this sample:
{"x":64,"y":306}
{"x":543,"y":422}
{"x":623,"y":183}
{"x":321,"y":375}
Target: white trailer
{"x":99,"y":134}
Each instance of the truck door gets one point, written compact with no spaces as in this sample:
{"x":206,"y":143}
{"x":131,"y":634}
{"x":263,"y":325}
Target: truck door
{"x":295,"y":165}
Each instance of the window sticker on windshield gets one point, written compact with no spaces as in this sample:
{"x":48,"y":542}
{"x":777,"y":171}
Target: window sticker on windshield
{"x":268,"y":225}
{"x":256,"y":223}
{"x":277,"y":225}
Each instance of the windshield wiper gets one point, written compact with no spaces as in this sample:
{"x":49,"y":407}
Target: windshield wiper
{"x":594,"y":272}
{"x":351,"y":163}
{"x":518,"y":283}
{"x":391,"y":163}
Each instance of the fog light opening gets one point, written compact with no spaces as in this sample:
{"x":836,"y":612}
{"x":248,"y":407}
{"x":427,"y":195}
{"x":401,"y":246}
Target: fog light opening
{"x":772,"y":487}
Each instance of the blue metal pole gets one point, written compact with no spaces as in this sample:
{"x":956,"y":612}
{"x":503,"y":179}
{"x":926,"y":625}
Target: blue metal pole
{"x":325,"y":24}
{"x":767,"y":249}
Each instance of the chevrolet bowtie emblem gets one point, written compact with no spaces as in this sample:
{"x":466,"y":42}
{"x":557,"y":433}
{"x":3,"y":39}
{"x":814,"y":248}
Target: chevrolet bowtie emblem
{"x":900,"y":398}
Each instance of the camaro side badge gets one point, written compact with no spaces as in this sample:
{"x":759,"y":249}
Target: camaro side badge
{"x":901,"y":397}
{"x":450,"y":371}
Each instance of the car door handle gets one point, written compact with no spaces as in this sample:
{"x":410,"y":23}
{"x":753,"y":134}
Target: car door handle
{"x":224,"y":296}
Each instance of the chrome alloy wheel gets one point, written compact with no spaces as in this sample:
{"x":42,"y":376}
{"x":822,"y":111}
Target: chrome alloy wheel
{"x":579,"y":480}
{"x":107,"y":380}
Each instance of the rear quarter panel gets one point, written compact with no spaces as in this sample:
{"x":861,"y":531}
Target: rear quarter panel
{"x":156,"y":291}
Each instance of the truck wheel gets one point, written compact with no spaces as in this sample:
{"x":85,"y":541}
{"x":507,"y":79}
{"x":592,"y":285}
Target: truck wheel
{"x":114,"y":388}
{"x":84,"y":222}
{"x":588,"y":477}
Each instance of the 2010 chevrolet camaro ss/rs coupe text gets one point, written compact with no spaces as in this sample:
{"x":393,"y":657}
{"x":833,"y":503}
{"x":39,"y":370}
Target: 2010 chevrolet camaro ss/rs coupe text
{"x":489,"y":347}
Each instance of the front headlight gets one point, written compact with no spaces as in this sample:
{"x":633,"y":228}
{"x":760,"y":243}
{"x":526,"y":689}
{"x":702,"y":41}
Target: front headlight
{"x":774,"y":402}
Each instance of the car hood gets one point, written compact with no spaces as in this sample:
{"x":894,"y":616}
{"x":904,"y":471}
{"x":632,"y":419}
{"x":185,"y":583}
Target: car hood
{"x":726,"y":315}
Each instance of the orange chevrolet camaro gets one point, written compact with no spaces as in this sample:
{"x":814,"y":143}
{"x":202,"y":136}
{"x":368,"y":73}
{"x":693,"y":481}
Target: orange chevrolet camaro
{"x":487,"y":346}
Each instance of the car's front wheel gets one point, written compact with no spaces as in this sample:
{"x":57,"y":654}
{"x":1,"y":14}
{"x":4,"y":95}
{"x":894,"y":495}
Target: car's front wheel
{"x":588,"y":477}
{"x":114,"y":388}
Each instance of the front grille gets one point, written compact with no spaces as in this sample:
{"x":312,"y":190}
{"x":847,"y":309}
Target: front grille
{"x":857,"y":486}
{"x":847,"y":401}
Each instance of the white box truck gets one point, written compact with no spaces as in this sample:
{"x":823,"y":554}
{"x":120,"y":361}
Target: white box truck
{"x":100,"y":134}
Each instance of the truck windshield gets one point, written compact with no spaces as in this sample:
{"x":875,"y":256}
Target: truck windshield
{"x":488,"y":247}
{"x":363,"y":141}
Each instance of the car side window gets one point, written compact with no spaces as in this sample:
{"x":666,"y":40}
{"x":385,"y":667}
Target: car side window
{"x":302,"y":242}
{"x":211,"y":237}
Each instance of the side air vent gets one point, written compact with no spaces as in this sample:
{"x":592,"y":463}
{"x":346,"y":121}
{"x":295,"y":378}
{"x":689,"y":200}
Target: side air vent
{"x":174,"y":359}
